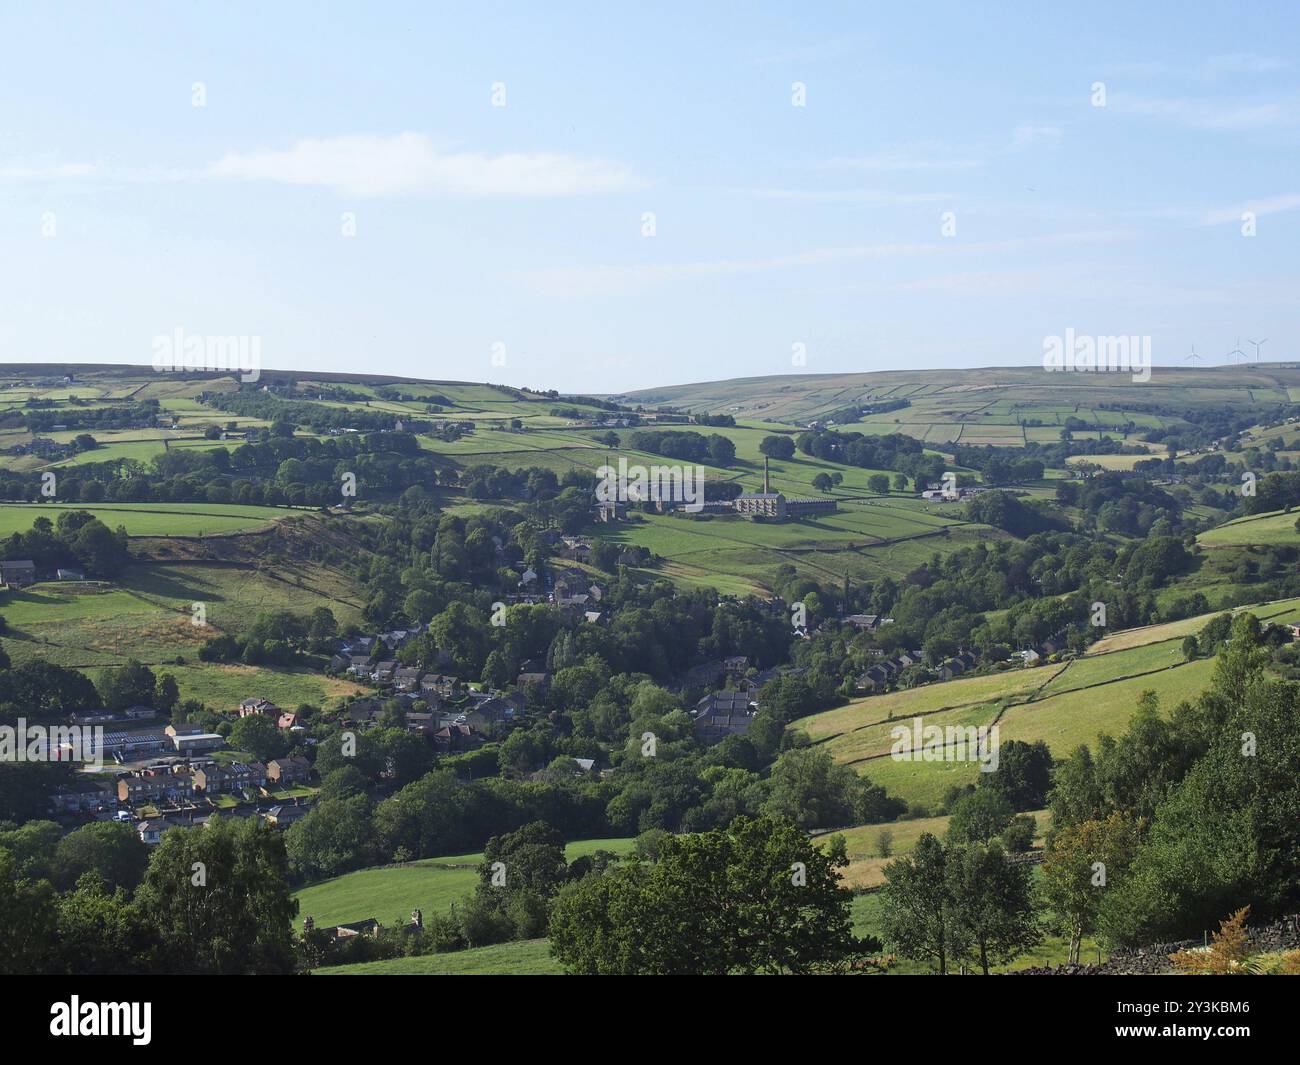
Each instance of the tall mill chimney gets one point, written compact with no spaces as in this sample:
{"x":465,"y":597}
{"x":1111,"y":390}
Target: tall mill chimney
{"x":766,"y":489}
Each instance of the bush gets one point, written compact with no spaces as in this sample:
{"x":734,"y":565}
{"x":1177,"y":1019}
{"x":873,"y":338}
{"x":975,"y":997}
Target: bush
{"x":1018,"y":837}
{"x":884,"y":843}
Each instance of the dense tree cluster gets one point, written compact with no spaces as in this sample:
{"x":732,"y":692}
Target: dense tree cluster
{"x":714,"y":449}
{"x":211,"y":900}
{"x":76,"y":537}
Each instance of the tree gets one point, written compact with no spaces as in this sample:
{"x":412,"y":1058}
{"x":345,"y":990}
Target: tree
{"x":259,"y":735}
{"x":722,"y":452}
{"x":1023,"y":775}
{"x":916,"y":914}
{"x":32,"y":846}
{"x":334,"y":837}
{"x":1076,"y":795}
{"x":1228,"y":953}
{"x":521,"y":871}
{"x":1081,"y":863}
{"x":98,"y":932}
{"x":166,"y":693}
{"x":884,"y":843}
{"x":777,"y":447}
{"x":1018,"y":836}
{"x":992,"y":903}
{"x":219,"y":899}
{"x":756,"y":897}
{"x":879,"y":483}
{"x":811,"y":790}
{"x":131,"y":684}
{"x":113,"y":852}
{"x":1191,"y":649}
{"x":102,"y":552}
{"x":979,"y":816}
{"x":822,"y":482}
{"x":1229,"y":834}
{"x":46,"y":691}
{"x":531,"y":858}
{"x":26,"y":921}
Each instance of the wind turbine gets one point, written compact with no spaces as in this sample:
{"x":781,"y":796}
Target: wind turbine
{"x":1235,"y":351}
{"x":1258,"y":344}
{"x":1193,"y":358}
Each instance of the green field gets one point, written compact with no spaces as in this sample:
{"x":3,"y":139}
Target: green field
{"x":148,"y":519}
{"x":528,"y":958}
{"x":1274,"y":528}
{"x":865,"y":868}
{"x":1063,"y":705}
{"x":147,"y":612}
{"x":860,"y":540}
{"x":392,"y":892}
{"x":999,"y":405}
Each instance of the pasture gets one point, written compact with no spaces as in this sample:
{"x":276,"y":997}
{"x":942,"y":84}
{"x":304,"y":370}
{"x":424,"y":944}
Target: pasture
{"x":148,"y":519}
{"x":1277,"y":527}
{"x":1063,"y":705}
{"x":390,"y":893}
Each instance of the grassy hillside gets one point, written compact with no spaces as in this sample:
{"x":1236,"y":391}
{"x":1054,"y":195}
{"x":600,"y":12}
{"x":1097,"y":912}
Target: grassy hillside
{"x":1063,"y":705}
{"x":392,"y":892}
{"x":1273,"y":528}
{"x":147,"y":613}
{"x":861,"y":540}
{"x":148,"y":519}
{"x":529,"y":958}
{"x":998,"y":405}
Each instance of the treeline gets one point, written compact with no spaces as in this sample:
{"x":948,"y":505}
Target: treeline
{"x":76,"y":536}
{"x":1208,"y":785}
{"x":281,"y":470}
{"x":114,"y":416}
{"x":996,"y":466}
{"x":1277,"y":491}
{"x":1123,"y":503}
{"x":276,"y":638}
{"x":99,"y":902}
{"x":889,"y":452}
{"x":251,"y":402}
{"x":371,"y":812}
{"x":713,"y":449}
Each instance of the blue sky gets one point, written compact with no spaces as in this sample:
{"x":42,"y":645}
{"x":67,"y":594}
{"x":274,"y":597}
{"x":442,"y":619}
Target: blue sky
{"x":127,"y":212}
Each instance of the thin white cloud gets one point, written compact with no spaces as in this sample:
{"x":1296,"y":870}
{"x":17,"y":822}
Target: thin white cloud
{"x":1245,"y":63}
{"x":1211,"y":115}
{"x":906,"y":158}
{"x":606,"y":280}
{"x":937,"y":156}
{"x":1028,"y":133}
{"x":47,"y":171}
{"x":410,"y":164}
{"x":1208,"y":69}
{"x":881,"y":197}
{"x":1259,"y":208}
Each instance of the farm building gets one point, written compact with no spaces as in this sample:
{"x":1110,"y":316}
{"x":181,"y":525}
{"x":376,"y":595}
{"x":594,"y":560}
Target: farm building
{"x":18,"y":573}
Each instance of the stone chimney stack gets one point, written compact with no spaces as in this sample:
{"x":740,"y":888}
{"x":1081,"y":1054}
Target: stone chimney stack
{"x":766,"y":489}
